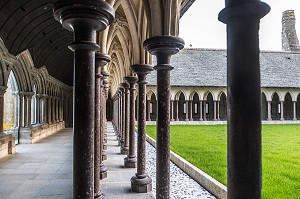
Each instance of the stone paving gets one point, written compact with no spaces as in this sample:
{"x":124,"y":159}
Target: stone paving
{"x":44,"y":171}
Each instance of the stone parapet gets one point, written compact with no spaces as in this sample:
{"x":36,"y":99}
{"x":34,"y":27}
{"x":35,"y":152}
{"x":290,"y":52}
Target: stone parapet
{"x":36,"y":133}
{"x":7,"y":145}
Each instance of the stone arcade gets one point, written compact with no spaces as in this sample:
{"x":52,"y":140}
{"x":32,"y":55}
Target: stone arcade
{"x":47,"y":76}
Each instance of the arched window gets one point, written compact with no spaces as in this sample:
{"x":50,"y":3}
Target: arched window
{"x":209,"y":107}
{"x":11,"y":107}
{"x":152,"y":108}
{"x":182,"y":107}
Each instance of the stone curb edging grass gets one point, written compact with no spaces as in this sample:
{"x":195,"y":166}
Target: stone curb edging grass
{"x":210,"y":184}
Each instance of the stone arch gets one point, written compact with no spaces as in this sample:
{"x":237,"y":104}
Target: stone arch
{"x":288,"y":112}
{"x":275,"y":106}
{"x":149,"y":94}
{"x":222,"y":106}
{"x":176,"y":96}
{"x":153,"y":107}
{"x":264,"y":106}
{"x":11,"y":107}
{"x":208,"y":105}
{"x":298,"y":107}
{"x":195,"y":98}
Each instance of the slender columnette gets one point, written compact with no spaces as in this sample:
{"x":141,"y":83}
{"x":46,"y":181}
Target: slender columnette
{"x":84,"y":18}
{"x":244,"y":178}
{"x":163,"y":47}
{"x":141,"y":182}
{"x":125,"y":146}
{"x":130,"y":160}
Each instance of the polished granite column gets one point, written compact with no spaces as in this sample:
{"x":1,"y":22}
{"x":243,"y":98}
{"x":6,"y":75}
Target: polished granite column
{"x":163,"y":47}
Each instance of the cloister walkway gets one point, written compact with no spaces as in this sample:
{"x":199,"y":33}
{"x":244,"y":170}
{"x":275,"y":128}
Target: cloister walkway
{"x":44,"y":171}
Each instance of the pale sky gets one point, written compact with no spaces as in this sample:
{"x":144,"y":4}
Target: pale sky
{"x":201,"y":28}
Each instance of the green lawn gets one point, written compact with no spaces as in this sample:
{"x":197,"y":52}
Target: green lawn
{"x":205,"y":147}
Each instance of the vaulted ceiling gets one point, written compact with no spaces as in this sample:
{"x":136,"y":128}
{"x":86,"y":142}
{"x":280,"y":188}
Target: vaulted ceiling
{"x":29,"y":24}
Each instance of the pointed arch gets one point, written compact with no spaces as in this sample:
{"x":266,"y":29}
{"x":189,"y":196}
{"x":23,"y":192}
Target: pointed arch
{"x":288,"y":112}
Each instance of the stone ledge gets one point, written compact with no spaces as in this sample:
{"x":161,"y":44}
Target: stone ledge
{"x":36,"y":133}
{"x":209,"y":183}
{"x":7,"y":145}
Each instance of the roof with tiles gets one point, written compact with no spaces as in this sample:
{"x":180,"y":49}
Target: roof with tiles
{"x":207,"y":67}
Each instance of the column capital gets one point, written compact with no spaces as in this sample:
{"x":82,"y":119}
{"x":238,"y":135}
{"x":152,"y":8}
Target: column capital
{"x":141,"y":70}
{"x":251,"y":10}
{"x":94,"y":14}
{"x":163,"y":47}
{"x":131,"y":80}
{"x":102,"y":59}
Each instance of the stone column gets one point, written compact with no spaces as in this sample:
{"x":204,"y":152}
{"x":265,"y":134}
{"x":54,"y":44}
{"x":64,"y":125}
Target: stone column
{"x":2,"y":91}
{"x":191,"y":110}
{"x":84,"y":18}
{"x":187,"y":110}
{"x":57,"y":108}
{"x":295,"y":110}
{"x":215,"y":111}
{"x":122,"y":114}
{"x":29,"y":98}
{"x":269,"y":111}
{"x":49,"y":110}
{"x":104,"y":117}
{"x":141,"y":182}
{"x":125,"y":147}
{"x":21,"y":97}
{"x":102,"y":60}
{"x":204,"y":110}
{"x":53,"y":110}
{"x":148,"y":111}
{"x":244,"y":97}
{"x":120,"y":94}
{"x":218,"y":110}
{"x":38,"y":110}
{"x":163,"y":47}
{"x":200,"y":110}
{"x":172,"y":110}
{"x":130,"y":160}
{"x":177,"y":110}
{"x":25,"y":110}
{"x":281,"y":111}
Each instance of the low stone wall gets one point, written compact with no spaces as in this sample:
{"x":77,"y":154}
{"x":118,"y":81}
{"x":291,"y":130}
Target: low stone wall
{"x":7,"y":145}
{"x":206,"y":181}
{"x":34,"y":134}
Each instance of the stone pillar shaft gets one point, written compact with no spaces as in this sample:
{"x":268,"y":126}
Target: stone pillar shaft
{"x":215,"y":110}
{"x":294,"y":110}
{"x":163,"y":47}
{"x":148,"y":111}
{"x":281,"y":110}
{"x":21,"y":96}
{"x":244,"y":97}
{"x":177,"y":110}
{"x":269,"y":111}
{"x":130,"y":160}
{"x":125,"y":148}
{"x":201,"y":110}
{"x":2,"y":91}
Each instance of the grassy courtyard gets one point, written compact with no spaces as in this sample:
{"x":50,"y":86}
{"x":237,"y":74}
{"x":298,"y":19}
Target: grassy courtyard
{"x":205,"y":147}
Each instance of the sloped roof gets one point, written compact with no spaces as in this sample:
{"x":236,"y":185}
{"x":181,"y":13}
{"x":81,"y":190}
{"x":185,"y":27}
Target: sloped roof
{"x":208,"y":67}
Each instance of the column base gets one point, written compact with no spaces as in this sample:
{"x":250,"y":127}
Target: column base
{"x":294,"y":119}
{"x":100,"y":195}
{"x":130,"y":162}
{"x":103,"y":171}
{"x":141,"y":184}
{"x":124,"y":150}
{"x":281,"y":119}
{"x":200,"y":119}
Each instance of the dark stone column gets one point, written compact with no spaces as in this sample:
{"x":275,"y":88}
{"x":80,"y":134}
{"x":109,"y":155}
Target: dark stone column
{"x":204,"y":110}
{"x":2,"y":92}
{"x":21,"y":97}
{"x":122,"y":114}
{"x":244,"y":97}
{"x":269,"y":111}
{"x":163,"y":47}
{"x":120,"y":111}
{"x":130,"y":160}
{"x":104,"y":118}
{"x":125,"y":147}
{"x":84,"y":18}
{"x":49,"y":110}
{"x":141,"y":182}
{"x":218,"y":110}
{"x":101,"y":60}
